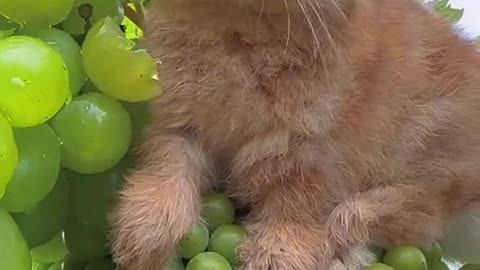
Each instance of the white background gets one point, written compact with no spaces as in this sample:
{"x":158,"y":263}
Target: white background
{"x":470,"y":21}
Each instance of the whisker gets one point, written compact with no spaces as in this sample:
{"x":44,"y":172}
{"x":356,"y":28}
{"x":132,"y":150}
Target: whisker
{"x":288,"y":25}
{"x":327,"y":32}
{"x":261,"y":10}
{"x":334,"y":2}
{"x":316,"y":41}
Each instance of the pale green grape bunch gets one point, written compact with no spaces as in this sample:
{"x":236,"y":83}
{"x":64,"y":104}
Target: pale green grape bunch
{"x":67,"y":123}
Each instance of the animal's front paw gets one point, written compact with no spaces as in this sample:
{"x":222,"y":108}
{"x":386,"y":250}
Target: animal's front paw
{"x":146,"y":229}
{"x":280,"y":248}
{"x":356,"y":259}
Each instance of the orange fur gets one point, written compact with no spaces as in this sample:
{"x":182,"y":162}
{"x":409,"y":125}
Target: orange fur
{"x":342,"y":124}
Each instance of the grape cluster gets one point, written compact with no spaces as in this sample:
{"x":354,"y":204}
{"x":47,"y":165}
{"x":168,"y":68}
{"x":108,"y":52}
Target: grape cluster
{"x":74,"y":86}
{"x":407,"y":257}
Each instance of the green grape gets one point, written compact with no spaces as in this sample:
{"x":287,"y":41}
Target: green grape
{"x":103,"y":264}
{"x":121,"y":69}
{"x":50,"y":252}
{"x":83,"y":243}
{"x":405,"y":258}
{"x":86,"y":13}
{"x":434,"y":253}
{"x":33,"y":82}
{"x":43,"y":222}
{"x":71,"y":52}
{"x":96,"y":133}
{"x":8,"y":154}
{"x":70,"y":263}
{"x":378,"y":266}
{"x":37,"y":170}
{"x":217,"y":210}
{"x":35,"y":12}
{"x":225,"y":240}
{"x":208,"y":260}
{"x":93,"y":196}
{"x":14,"y":253}
{"x":195,"y":242}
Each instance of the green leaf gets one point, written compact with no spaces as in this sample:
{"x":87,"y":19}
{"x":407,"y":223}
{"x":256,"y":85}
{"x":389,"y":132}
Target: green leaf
{"x":445,"y":9}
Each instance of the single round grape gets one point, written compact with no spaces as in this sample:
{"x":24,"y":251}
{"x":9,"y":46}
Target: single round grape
{"x":225,"y":240}
{"x":208,"y":260}
{"x":71,"y":52}
{"x":33,"y":82}
{"x":93,"y":196}
{"x":405,"y":258}
{"x":434,"y":253}
{"x":83,"y":243}
{"x":103,"y":264}
{"x":8,"y":154}
{"x":42,"y":223}
{"x":37,"y":170}
{"x":438,"y":265}
{"x":195,"y":242}
{"x":86,"y":13}
{"x":14,"y":253}
{"x":122,"y":68}
{"x":378,"y":266}
{"x":36,"y":13}
{"x":70,"y":263}
{"x":96,"y":132}
{"x":50,"y":252}
{"x":217,"y":209}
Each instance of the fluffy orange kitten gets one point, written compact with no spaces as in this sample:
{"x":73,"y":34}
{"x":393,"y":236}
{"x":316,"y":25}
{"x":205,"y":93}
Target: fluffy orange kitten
{"x":341,"y":123}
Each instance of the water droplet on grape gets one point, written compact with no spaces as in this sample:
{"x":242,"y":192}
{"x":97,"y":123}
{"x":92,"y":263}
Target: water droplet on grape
{"x":17,"y":81}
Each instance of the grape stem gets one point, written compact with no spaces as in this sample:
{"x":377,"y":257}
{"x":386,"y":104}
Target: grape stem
{"x":136,"y":15}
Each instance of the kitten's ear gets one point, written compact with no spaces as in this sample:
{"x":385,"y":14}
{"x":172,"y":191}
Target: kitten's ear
{"x":462,"y":239}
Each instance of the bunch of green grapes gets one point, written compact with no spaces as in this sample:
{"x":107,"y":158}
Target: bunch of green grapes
{"x":212,"y":243}
{"x":408,"y":257}
{"x":73,"y":94}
